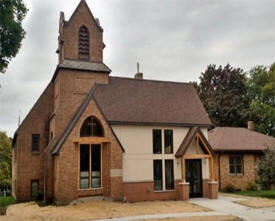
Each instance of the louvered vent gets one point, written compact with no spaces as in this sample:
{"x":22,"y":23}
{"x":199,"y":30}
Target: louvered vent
{"x":83,"y":43}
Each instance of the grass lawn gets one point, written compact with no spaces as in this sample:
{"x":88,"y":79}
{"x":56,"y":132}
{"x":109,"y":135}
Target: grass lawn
{"x":4,"y":202}
{"x":259,"y":193}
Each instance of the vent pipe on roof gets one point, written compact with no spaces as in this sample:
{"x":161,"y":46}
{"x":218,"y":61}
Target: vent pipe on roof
{"x":138,"y":75}
{"x":250,"y":125}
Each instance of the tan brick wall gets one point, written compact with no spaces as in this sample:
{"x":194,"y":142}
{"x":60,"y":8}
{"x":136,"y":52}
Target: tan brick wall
{"x":30,"y":165}
{"x":72,"y":93}
{"x":239,"y":181}
{"x":66,"y":180}
{"x":70,"y":35}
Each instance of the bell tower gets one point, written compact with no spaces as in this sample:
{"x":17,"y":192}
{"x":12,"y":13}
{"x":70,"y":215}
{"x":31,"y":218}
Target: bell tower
{"x":81,"y":37}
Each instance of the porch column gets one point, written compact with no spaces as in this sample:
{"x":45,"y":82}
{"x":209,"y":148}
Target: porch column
{"x":212,"y":186}
{"x":183,"y":170}
{"x":212,"y":169}
{"x":183,"y":187}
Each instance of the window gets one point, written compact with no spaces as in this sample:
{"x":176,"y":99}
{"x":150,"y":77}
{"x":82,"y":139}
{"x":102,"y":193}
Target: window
{"x":84,"y":166}
{"x":91,"y":127}
{"x":169,"y":174}
{"x":96,"y":158}
{"x":83,"y":43}
{"x":168,"y":141}
{"x":158,"y":174}
{"x":35,"y":142}
{"x":236,"y":165}
{"x":34,"y":188}
{"x":157,"y":148}
{"x":90,"y":166}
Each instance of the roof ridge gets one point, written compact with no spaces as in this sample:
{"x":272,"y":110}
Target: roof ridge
{"x":150,"y":80}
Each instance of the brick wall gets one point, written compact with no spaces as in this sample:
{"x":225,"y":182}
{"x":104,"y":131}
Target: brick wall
{"x":70,"y":35}
{"x":66,"y":179}
{"x":30,"y":165}
{"x":239,"y":181}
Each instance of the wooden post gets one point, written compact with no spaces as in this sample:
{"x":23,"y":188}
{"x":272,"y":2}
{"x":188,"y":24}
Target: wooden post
{"x":183,"y":170}
{"x":198,"y":145}
{"x":212,"y":168}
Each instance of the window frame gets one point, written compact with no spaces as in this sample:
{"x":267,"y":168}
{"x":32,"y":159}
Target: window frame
{"x":235,"y":164}
{"x":159,"y":137}
{"x":33,"y":148}
{"x":94,"y":120}
{"x":172,"y":141}
{"x":90,"y":167}
{"x":162,"y":180}
{"x":32,"y":181}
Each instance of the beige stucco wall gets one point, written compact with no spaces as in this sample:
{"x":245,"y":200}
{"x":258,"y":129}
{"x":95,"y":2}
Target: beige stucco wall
{"x":138,"y":157}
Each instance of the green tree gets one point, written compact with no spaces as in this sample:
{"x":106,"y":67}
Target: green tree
{"x":261,"y":91}
{"x":223,"y":93}
{"x":12,"y":13}
{"x":5,"y":160}
{"x":266,"y":168}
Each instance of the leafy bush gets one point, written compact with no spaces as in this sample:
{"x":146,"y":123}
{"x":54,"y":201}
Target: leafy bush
{"x":4,"y":202}
{"x":251,"y":186}
{"x":266,"y":169}
{"x":230,"y":188}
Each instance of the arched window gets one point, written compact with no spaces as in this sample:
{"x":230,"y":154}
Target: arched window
{"x":91,"y":127}
{"x":83,"y":43}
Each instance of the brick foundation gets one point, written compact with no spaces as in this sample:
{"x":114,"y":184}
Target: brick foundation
{"x":213,"y":190}
{"x":184,"y":191}
{"x":144,"y":191}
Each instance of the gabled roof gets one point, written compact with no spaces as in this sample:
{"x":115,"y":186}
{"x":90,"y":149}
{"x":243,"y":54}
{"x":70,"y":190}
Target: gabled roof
{"x":83,"y":3}
{"x":235,"y":139}
{"x":192,"y":133}
{"x":134,"y":101}
{"x":57,"y":143}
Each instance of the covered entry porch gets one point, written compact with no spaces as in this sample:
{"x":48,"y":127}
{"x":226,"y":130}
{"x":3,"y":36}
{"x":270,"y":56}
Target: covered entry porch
{"x":197,"y":165}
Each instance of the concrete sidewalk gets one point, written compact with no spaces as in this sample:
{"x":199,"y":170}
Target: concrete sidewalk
{"x":163,"y":216}
{"x":226,"y":205}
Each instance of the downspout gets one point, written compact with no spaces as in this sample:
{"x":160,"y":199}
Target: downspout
{"x":219,"y":168}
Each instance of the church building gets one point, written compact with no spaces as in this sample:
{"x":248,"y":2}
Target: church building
{"x":92,"y":134}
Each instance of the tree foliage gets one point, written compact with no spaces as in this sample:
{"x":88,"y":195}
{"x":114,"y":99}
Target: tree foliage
{"x":12,"y":13}
{"x":261,"y":90}
{"x":5,"y":160}
{"x":223,"y":93}
{"x":266,"y":168}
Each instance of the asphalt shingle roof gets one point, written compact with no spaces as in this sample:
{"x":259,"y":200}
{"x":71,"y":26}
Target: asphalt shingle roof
{"x":238,"y":139}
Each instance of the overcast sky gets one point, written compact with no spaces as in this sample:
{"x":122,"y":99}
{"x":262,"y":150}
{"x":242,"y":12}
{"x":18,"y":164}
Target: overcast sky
{"x":172,"y":39}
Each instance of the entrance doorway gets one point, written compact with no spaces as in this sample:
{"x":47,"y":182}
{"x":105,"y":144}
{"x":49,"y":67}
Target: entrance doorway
{"x":194,"y":177}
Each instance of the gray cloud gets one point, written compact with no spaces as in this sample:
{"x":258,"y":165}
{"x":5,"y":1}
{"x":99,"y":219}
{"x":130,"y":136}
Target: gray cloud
{"x":173,"y":40}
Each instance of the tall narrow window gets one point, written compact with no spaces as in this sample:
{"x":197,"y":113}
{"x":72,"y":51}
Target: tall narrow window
{"x":83,"y":43}
{"x":91,"y":127}
{"x":168,"y":141}
{"x":169,"y":174}
{"x":90,"y":166}
{"x":34,"y":188}
{"x":96,"y":166}
{"x":236,"y":165}
{"x":158,"y":174}
{"x":157,"y":142}
{"x":35,"y":142}
{"x":84,"y":166}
